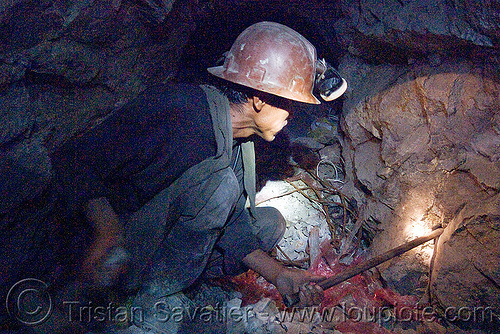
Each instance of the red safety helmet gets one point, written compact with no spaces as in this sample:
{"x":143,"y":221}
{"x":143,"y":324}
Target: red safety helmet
{"x":272,"y":58}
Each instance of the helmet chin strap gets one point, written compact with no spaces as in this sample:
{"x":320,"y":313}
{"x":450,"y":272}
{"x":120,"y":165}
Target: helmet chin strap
{"x":329,"y":83}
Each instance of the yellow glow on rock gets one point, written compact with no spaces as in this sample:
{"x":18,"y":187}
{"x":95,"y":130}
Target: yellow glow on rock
{"x":419,"y":228}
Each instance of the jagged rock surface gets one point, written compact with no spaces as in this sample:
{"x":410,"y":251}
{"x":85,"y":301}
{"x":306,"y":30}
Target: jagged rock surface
{"x":397,"y":30}
{"x":65,"y":65}
{"x":411,"y":136}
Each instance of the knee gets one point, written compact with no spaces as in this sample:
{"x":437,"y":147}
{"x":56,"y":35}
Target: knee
{"x":211,"y":201}
{"x":225,"y":191}
{"x":269,"y":226}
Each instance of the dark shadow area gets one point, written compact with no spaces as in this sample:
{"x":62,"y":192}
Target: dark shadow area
{"x":227,"y":19}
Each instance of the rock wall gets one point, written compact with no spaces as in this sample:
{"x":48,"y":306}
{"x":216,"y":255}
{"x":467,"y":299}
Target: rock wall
{"x":66,"y":64}
{"x":422,"y":127}
{"x":398,"y":30}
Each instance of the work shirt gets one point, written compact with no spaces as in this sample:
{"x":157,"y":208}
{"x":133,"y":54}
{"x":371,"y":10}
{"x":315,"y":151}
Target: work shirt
{"x":139,"y":150}
{"x":142,"y":149}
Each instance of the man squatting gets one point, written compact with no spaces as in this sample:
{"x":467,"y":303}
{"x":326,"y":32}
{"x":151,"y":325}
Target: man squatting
{"x":167,"y":177}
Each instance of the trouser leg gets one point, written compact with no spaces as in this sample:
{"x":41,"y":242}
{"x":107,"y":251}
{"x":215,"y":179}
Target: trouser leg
{"x":268,"y":227}
{"x":194,"y":222}
{"x":186,"y":249}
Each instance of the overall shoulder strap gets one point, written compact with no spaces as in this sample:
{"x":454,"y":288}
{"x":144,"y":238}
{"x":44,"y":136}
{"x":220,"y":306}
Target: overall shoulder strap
{"x":221,"y":121}
{"x":248,"y":156}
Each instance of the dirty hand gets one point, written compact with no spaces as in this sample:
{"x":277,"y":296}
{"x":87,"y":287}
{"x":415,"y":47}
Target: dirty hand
{"x":291,"y":281}
{"x":104,"y":262}
{"x":106,"y":258}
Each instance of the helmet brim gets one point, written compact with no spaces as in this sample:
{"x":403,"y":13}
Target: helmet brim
{"x":219,"y":71}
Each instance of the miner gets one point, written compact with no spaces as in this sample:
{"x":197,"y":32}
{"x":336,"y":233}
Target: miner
{"x":168,"y":180}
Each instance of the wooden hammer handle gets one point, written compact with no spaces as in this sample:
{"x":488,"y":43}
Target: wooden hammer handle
{"x":291,"y":300}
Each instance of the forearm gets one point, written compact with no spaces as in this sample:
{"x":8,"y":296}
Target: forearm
{"x":287,"y":280}
{"x":101,"y":265}
{"x":101,"y":214}
{"x":265,"y":265}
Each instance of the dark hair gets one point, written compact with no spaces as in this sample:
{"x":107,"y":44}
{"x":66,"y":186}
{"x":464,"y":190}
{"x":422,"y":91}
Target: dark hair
{"x":238,"y":94}
{"x":235,"y":93}
{"x":275,"y":100}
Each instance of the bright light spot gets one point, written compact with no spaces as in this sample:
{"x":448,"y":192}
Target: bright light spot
{"x":419,"y":228}
{"x":300,"y":214}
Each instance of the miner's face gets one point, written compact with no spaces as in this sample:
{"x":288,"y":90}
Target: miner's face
{"x":270,"y":121}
